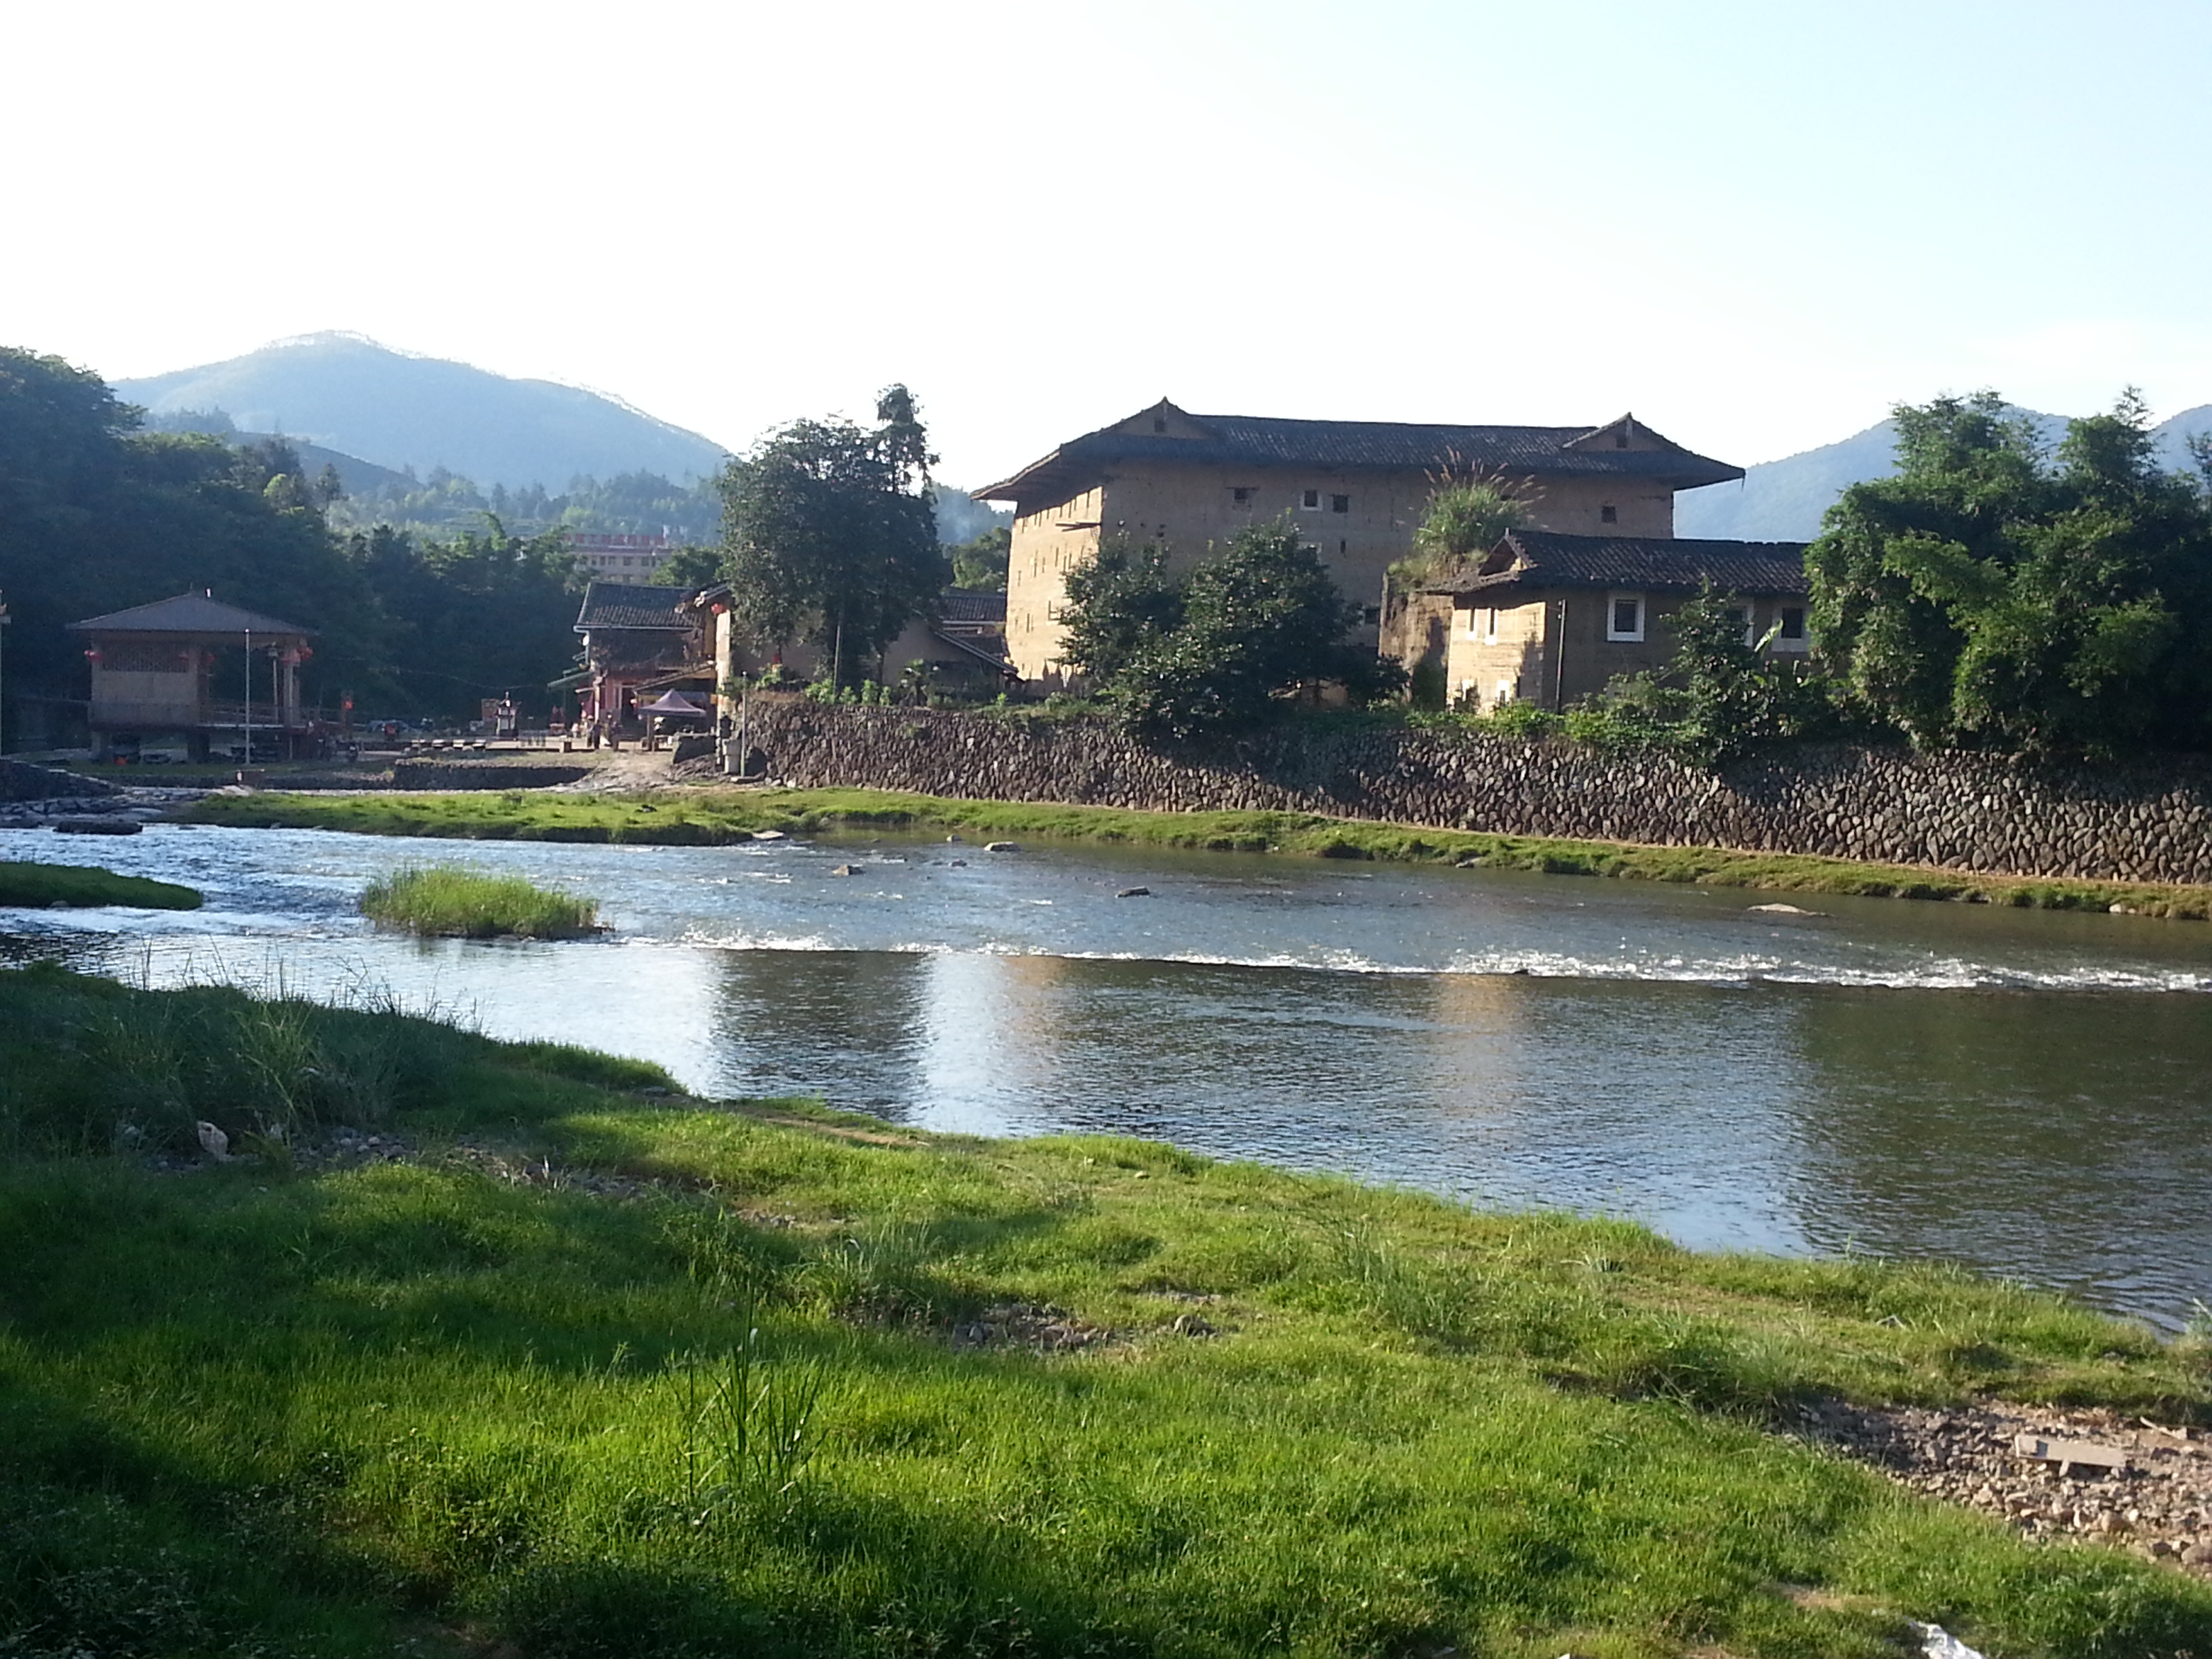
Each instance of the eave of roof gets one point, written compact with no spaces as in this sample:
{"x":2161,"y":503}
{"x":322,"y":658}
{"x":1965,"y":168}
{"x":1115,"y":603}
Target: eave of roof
{"x":1531,"y":560}
{"x":633,"y":605}
{"x":189,"y":613}
{"x":1265,"y":442}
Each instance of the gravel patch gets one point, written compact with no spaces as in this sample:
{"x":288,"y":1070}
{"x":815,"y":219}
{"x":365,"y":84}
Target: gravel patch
{"x":2158,"y":1505}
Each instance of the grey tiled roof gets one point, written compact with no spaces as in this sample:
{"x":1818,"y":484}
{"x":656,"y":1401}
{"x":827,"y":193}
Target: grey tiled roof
{"x":625,"y":605}
{"x":187,"y":613}
{"x":1552,"y":452}
{"x":968,"y":604}
{"x":1544,"y":558}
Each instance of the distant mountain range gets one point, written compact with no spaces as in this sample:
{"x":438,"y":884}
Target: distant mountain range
{"x":431,"y":446}
{"x":340,"y":391}
{"x":1783,"y":501}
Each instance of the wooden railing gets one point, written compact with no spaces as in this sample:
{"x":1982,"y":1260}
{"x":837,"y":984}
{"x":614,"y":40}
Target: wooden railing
{"x":115,"y":714}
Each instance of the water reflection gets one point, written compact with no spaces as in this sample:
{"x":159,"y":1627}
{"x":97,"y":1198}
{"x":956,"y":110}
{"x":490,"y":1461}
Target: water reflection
{"x":1734,"y":1079}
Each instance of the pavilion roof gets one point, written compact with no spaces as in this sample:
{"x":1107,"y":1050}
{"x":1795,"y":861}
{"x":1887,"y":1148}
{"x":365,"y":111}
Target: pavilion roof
{"x":190,"y":613}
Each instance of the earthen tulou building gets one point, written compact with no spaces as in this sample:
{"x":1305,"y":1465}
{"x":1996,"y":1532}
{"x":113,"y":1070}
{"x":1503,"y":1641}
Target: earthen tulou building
{"x":1548,"y":616}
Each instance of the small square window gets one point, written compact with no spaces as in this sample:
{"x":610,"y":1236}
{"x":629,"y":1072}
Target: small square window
{"x":1309,"y":500}
{"x":1624,"y":618}
{"x":1370,"y":614}
{"x":1340,"y":503}
{"x":1748,"y":619}
{"x":1789,"y":634}
{"x":1608,"y":514}
{"x":1242,"y":495}
{"x":1159,"y":424}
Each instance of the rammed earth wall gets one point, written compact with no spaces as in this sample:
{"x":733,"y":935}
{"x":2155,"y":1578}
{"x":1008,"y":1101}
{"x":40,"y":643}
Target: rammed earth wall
{"x":1957,"y":811}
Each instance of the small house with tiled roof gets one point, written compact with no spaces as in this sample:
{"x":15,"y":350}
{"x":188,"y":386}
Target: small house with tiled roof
{"x":1549,"y":618}
{"x":639,"y":641}
{"x":194,"y":667}
{"x":1356,"y":489}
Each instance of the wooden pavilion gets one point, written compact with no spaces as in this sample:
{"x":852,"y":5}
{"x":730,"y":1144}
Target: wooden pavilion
{"x":154,"y":675}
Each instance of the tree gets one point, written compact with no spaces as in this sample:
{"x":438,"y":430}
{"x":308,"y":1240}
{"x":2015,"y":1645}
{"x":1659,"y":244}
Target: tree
{"x":1989,"y":593}
{"x":981,"y":565}
{"x":1217,"y":650}
{"x":692,"y":567}
{"x":830,"y":533}
{"x":1119,"y":603}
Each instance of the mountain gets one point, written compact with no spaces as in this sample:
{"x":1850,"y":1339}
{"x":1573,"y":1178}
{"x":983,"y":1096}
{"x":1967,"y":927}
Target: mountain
{"x":343,"y":392}
{"x":1783,"y":501}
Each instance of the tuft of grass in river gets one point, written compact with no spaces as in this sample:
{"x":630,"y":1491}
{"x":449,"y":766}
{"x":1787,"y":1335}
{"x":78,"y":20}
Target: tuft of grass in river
{"x":447,"y":901}
{"x":692,"y":1388}
{"x":713,"y":817}
{"x":82,"y":885}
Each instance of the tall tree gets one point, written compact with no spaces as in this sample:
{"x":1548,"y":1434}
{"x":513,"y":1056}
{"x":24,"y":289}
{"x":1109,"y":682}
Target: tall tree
{"x":1216,"y":650}
{"x":829,"y":535}
{"x":1989,"y":593}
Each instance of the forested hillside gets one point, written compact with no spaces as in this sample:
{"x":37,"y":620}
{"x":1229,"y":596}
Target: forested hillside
{"x":97,"y":514}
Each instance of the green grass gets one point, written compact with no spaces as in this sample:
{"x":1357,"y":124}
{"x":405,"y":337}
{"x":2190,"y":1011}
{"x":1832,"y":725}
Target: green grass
{"x":448,"y":900}
{"x":715,"y":1409}
{"x":712,"y":816}
{"x":77,"y":884}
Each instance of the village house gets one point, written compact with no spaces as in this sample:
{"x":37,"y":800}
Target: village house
{"x":962,"y":645}
{"x":1355,"y":490}
{"x":641,"y":643}
{"x":1548,"y":618}
{"x":157,"y":672}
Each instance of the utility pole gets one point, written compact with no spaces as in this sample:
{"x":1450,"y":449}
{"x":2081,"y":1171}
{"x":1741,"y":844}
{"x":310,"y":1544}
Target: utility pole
{"x":4,"y":620}
{"x":249,"y":694}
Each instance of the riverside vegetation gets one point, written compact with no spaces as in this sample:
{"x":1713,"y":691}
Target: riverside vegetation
{"x":449,"y":901}
{"x":82,"y":884}
{"x":509,"y":1348}
{"x":706,"y":817}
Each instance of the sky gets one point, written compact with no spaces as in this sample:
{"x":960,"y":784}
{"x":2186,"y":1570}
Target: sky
{"x":1756,"y":226}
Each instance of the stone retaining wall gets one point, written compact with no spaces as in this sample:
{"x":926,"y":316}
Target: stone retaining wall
{"x":2148,"y":822}
{"x":481,"y":775}
{"x":21,"y":780}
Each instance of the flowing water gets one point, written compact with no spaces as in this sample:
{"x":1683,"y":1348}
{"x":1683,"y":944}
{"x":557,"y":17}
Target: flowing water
{"x":2026,"y":1093}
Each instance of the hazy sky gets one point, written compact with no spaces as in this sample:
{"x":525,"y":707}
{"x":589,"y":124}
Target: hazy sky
{"x":1755,"y":225}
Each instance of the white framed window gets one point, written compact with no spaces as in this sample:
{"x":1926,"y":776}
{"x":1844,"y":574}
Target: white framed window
{"x":1624,"y":618}
{"x":1789,"y":631}
{"x":1749,"y":617}
{"x":1308,"y":500}
{"x":1490,"y":626}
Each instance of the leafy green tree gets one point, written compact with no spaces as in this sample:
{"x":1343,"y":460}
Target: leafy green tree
{"x":485,"y":614}
{"x":981,"y":565}
{"x":1989,"y":593}
{"x":830,"y":533}
{"x":691,"y":567}
{"x":1217,"y":651}
{"x":1121,"y":602}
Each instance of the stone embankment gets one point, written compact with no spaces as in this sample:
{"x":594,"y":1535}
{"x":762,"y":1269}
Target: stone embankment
{"x":1991,"y":814}
{"x":36,"y":797}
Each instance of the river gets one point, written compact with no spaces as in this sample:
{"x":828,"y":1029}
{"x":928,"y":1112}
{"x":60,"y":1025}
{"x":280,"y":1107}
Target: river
{"x":2025,"y":1092}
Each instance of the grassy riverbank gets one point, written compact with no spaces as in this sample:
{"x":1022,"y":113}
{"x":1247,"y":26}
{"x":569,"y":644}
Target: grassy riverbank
{"x":81,"y":884}
{"x":709,"y":816}
{"x":446,"y":900}
{"x":561,"y":1367}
